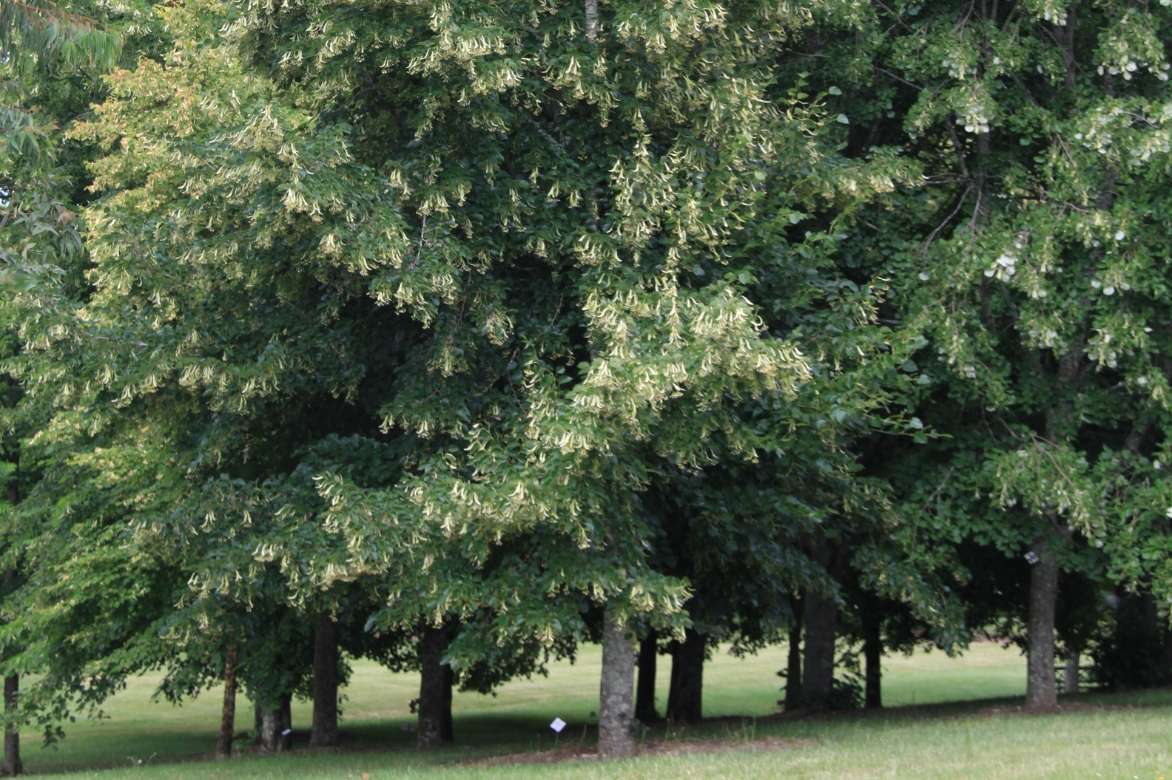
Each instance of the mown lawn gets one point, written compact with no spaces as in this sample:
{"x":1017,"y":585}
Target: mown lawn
{"x":932,"y":729}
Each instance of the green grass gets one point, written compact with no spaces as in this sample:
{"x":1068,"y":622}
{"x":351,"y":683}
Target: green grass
{"x":929,"y":730}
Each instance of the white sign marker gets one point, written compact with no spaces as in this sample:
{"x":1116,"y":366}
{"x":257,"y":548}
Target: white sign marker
{"x":557,"y":725}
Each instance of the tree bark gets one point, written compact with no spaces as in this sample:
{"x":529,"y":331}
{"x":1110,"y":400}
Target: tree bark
{"x":1041,"y":688}
{"x":257,"y":722}
{"x":449,"y":730}
{"x":616,"y":706}
{"x":821,"y":620}
{"x":684,"y":697}
{"x":793,"y":666}
{"x":591,"y":11}
{"x":1070,"y":672}
{"x":228,"y":713}
{"x":434,"y":689}
{"x":872,"y":654}
{"x":12,"y":763}
{"x":325,"y":684}
{"x":645,"y":690}
{"x":276,"y":726}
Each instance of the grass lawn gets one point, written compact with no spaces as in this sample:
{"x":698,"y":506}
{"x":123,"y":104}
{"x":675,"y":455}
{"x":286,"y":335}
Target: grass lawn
{"x":931,"y":729}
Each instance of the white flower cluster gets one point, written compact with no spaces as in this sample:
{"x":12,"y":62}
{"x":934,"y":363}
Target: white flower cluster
{"x":1005,"y":266}
{"x":1133,"y":46}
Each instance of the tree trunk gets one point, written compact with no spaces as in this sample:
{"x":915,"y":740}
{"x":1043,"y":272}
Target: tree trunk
{"x":872,"y":653}
{"x":821,"y":619}
{"x":276,"y":726}
{"x":434,"y":688}
{"x":793,"y":665}
{"x":616,"y":694}
{"x":12,"y":764}
{"x":449,"y":730}
{"x":1070,"y":672}
{"x":591,"y":8}
{"x":1041,"y":690}
{"x":684,"y":697}
{"x":325,"y":684}
{"x":645,"y":690}
{"x":287,"y":721}
{"x":228,"y":713}
{"x":257,"y":722}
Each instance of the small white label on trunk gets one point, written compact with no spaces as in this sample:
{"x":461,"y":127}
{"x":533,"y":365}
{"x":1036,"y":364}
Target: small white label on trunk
{"x":557,"y":725}
{"x":286,"y":732}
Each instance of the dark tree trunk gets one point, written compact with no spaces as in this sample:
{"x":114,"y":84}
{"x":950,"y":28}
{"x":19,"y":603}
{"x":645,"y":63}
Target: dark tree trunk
{"x":257,"y":722}
{"x":872,"y":653}
{"x":793,"y":665}
{"x":645,"y":691}
{"x":228,"y":713}
{"x":684,"y":697}
{"x":325,"y":684}
{"x":287,"y":721}
{"x":449,"y":730}
{"x":821,"y":622}
{"x":434,"y":688}
{"x":12,"y":764}
{"x":1041,"y":690}
{"x":616,"y":695}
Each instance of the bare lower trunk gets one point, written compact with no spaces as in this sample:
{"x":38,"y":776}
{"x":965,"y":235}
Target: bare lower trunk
{"x":616,"y":706}
{"x":821,"y":620}
{"x":434,"y":688}
{"x":228,"y":713}
{"x":793,"y":665}
{"x":12,"y":764}
{"x":872,"y":654}
{"x":276,"y":726}
{"x":1070,"y":675}
{"x":1041,"y":690}
{"x":449,"y":730}
{"x":645,"y":690}
{"x":325,"y":684}
{"x":684,"y":698}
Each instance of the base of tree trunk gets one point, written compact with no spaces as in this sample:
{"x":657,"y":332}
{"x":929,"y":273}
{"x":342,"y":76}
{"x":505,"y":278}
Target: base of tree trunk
{"x":228,"y":712}
{"x":1070,"y":675}
{"x":793,"y":661}
{"x":12,"y":763}
{"x":325,"y":684}
{"x":872,"y":654}
{"x":685,"y":695}
{"x":435,"y":689}
{"x":616,"y":708}
{"x":276,"y":726}
{"x":821,"y":623}
{"x":1041,"y":687}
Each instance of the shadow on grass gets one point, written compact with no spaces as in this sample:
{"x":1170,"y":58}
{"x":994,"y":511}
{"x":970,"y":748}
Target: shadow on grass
{"x":483,"y":737}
